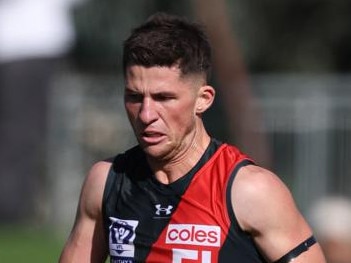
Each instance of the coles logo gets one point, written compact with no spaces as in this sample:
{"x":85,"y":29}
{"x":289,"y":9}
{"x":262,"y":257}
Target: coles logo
{"x":200,"y":235}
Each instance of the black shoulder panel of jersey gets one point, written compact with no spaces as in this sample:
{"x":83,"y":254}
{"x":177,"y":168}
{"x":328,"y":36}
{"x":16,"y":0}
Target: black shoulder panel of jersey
{"x":249,"y":252}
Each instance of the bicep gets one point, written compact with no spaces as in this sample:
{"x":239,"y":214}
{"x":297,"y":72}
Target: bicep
{"x":86,"y":242}
{"x":265,"y":208}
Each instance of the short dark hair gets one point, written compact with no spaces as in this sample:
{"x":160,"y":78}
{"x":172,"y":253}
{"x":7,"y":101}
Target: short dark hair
{"x":167,"y":40}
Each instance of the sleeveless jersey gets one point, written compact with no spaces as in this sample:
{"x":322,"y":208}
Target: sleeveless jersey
{"x":188,"y":221}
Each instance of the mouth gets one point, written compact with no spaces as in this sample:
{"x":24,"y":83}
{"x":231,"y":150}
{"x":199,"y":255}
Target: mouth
{"x":151,"y":137}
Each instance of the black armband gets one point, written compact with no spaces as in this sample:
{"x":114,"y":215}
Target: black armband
{"x":303,"y":247}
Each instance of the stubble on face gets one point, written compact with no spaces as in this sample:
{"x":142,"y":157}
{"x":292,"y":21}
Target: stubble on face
{"x":173,"y":115}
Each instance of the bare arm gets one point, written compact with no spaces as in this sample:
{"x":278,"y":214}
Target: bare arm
{"x":265,"y":208}
{"x":86,"y":242}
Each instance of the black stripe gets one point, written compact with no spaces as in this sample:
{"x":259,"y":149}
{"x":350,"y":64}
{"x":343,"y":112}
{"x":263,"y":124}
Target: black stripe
{"x":303,"y":247}
{"x":242,"y":163}
{"x":238,"y":244}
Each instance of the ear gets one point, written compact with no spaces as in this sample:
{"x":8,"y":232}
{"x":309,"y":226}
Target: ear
{"x":206,"y":95}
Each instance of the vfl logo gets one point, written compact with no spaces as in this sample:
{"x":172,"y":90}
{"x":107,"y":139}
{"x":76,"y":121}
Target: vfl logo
{"x":121,"y":237}
{"x":163,"y":210}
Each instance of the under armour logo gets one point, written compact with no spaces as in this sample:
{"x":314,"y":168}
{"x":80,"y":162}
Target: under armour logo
{"x":163,"y":210}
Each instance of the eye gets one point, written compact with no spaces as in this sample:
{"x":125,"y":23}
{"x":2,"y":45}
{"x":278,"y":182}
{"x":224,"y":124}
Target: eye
{"x":164,"y":96}
{"x":130,"y":96}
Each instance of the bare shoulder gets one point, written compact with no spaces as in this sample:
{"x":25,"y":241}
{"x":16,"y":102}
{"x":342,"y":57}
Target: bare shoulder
{"x":98,"y":172}
{"x":257,"y":196}
{"x":93,"y":188}
{"x":252,"y":178}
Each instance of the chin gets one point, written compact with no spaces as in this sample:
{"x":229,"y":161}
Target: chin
{"x":155,"y":151}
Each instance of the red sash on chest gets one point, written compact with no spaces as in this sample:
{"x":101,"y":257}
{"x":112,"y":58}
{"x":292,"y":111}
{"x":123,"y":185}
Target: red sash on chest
{"x":200,"y":224}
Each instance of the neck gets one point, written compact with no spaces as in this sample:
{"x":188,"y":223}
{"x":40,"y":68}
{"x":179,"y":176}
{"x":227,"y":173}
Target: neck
{"x":171,"y":170}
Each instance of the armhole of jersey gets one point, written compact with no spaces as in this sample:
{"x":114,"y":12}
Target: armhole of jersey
{"x":230,"y":210}
{"x":109,"y":185}
{"x":110,"y":181}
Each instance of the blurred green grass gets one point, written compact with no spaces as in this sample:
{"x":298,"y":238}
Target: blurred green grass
{"x":30,"y":245}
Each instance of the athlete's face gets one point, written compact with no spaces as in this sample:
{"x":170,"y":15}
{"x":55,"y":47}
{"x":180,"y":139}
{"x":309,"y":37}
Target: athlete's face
{"x":161,"y":109}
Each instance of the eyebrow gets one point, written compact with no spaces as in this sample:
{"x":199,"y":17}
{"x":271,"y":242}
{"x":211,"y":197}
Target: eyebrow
{"x":161,"y":92}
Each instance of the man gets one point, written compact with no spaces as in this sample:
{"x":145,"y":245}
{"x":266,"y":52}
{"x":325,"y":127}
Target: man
{"x":180,"y":195}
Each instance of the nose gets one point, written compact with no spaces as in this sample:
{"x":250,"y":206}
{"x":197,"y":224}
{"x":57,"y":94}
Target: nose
{"x":147,"y":112}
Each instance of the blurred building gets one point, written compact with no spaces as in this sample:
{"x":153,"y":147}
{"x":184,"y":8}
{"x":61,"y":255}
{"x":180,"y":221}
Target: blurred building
{"x":34,"y":36}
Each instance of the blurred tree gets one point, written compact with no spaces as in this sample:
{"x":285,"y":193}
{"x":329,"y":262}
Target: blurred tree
{"x":290,"y":35}
{"x":242,"y":117}
{"x":294,"y":35}
{"x":101,"y":27}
